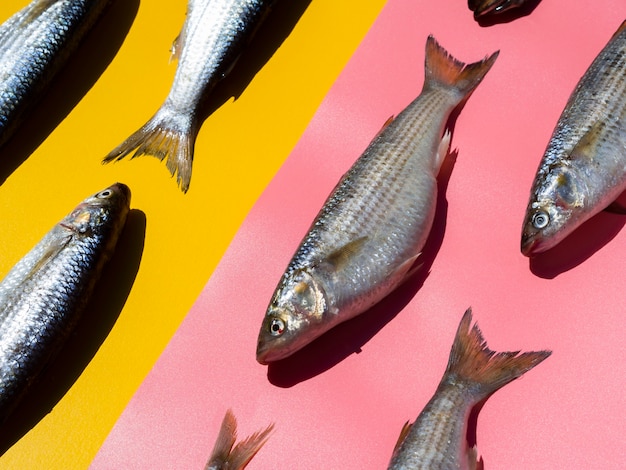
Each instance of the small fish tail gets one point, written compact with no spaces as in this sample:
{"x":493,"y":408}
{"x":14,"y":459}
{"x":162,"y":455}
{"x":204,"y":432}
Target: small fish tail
{"x":472,"y":360}
{"x":166,"y":137}
{"x":225,"y":456}
{"x":445,"y":70}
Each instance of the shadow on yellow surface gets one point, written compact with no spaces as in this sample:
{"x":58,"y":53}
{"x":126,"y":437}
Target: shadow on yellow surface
{"x":100,"y":315}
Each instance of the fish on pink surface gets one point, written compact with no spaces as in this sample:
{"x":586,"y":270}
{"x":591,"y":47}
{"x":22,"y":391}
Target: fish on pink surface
{"x":440,"y":438}
{"x":227,"y":455}
{"x":373,"y":226}
{"x":583,"y":170}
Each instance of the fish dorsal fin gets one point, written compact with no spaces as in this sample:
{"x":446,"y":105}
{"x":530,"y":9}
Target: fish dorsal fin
{"x":50,"y":253}
{"x":620,"y":30}
{"x":406,"y":428}
{"x":343,"y":254}
{"x":389,"y":120}
{"x":585,"y":148}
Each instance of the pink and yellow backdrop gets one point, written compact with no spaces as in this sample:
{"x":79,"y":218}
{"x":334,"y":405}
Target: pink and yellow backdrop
{"x":264,"y":165}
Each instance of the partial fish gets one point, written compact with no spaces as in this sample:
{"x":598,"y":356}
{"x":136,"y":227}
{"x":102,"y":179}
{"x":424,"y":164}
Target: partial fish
{"x":214,"y":35}
{"x":375,"y":223}
{"x":489,"y":8}
{"x":583,"y":170}
{"x":227,"y":457}
{"x":35,"y":43}
{"x":438,"y":439}
{"x":43,"y":296}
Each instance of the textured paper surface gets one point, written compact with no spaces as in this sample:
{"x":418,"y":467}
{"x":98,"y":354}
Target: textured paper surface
{"x":342,"y":402}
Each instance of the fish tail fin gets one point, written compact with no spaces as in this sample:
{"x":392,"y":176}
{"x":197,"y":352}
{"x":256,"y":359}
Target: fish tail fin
{"x":471,"y":359}
{"x":224,"y":455}
{"x":445,"y":70}
{"x":167,"y":136}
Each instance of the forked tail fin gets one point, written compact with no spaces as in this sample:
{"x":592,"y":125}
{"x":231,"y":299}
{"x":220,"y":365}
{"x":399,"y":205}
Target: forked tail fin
{"x":168,"y":136}
{"x":472,"y":360}
{"x":445,"y":70}
{"x":227,"y":457}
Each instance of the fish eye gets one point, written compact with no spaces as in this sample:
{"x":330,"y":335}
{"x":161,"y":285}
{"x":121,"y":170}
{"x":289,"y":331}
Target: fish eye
{"x":277,"y":327}
{"x":540,"y":220}
{"x":104,"y":194}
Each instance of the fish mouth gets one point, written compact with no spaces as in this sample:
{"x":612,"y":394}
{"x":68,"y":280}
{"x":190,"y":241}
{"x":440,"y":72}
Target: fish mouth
{"x":265,"y":354}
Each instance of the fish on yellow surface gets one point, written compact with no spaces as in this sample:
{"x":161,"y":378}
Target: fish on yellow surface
{"x":226,"y":457}
{"x":35,"y":43}
{"x":375,"y":223}
{"x":583,"y":169}
{"x":44,"y":294}
{"x":213,"y":37}
{"x":438,"y":439}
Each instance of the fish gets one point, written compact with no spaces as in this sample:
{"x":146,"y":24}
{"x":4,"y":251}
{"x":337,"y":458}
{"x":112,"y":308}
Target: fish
{"x":583,"y":169}
{"x":440,"y":436}
{"x":44,"y":294}
{"x":35,"y":44}
{"x":489,"y":8}
{"x":226,"y":457}
{"x":214,"y":35}
{"x":370,"y":231}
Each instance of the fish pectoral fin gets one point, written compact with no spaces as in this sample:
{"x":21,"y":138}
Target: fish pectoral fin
{"x":343,"y":254}
{"x":475,"y":463}
{"x":51,"y":252}
{"x":442,"y":151}
{"x":585,"y":148}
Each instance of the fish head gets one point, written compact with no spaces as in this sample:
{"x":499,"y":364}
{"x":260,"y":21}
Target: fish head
{"x":94,"y":212}
{"x":556,"y":208}
{"x":296,"y":315}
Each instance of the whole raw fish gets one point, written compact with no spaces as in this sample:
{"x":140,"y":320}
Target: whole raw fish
{"x":489,"y":8}
{"x":43,"y":296}
{"x":215,"y":33}
{"x":35,"y":43}
{"x":227,"y":457}
{"x":583,"y":169}
{"x":374,"y":224}
{"x":438,"y":439}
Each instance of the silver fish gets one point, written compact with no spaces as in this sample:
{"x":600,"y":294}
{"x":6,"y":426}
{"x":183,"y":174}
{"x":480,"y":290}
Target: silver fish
{"x":227,"y":457}
{"x":438,"y":439}
{"x":374,"y":224}
{"x":35,"y":43}
{"x":489,"y":8}
{"x":43,"y":295}
{"x":213,"y":36}
{"x":583,"y":169}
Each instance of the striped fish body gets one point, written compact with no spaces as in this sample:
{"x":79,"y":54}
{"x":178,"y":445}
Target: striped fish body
{"x":35,"y":43}
{"x":214,"y":35}
{"x":374,"y":224}
{"x":43,"y":295}
{"x":438,"y":439}
{"x":583,"y":169}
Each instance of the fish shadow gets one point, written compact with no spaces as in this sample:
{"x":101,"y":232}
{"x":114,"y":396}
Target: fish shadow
{"x":510,"y":15}
{"x":101,"y":313}
{"x":272,"y":32}
{"x":81,"y":71}
{"x":577,"y":247}
{"x":349,"y":337}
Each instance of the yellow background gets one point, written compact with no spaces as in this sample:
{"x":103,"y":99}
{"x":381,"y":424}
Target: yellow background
{"x":240,"y":147}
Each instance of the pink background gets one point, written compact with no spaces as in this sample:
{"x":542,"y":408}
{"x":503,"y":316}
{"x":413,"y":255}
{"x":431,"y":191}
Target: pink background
{"x":341,"y":402}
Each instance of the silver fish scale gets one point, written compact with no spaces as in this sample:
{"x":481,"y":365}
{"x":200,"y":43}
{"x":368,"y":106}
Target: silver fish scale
{"x":213,"y":36}
{"x":34,"y":44}
{"x":599,"y":99}
{"x":437,"y":440}
{"x":42,"y":297}
{"x":387,"y":199}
